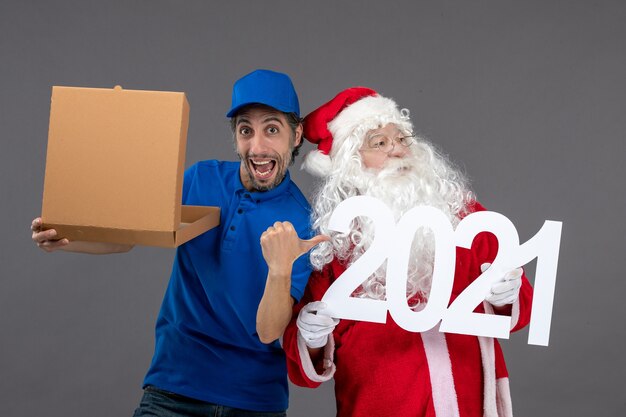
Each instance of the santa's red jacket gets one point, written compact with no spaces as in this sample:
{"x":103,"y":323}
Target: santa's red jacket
{"x":383,"y":370}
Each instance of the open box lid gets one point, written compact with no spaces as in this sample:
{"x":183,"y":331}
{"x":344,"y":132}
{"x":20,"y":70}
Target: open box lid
{"x":115,"y":165}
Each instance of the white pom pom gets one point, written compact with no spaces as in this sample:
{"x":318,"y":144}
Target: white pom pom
{"x":316,"y":163}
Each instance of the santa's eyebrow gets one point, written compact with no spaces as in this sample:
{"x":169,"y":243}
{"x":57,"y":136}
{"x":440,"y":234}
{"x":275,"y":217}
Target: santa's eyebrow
{"x":372,"y":135}
{"x":398,"y":134}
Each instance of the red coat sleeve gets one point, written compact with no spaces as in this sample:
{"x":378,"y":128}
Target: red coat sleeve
{"x":318,"y":283}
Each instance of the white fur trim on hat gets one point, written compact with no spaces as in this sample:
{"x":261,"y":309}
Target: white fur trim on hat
{"x":317,"y":163}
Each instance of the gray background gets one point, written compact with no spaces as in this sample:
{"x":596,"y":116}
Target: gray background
{"x":528,"y":97}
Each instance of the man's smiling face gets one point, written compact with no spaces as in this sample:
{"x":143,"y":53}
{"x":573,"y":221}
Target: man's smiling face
{"x":265,"y":142}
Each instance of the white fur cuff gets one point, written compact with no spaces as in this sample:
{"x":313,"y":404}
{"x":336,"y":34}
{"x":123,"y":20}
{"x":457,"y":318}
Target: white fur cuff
{"x":307,"y":364}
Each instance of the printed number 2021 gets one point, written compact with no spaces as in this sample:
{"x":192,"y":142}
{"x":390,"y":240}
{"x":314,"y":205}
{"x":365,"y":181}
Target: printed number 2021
{"x":392,"y":242}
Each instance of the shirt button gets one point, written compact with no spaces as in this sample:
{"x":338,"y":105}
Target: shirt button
{"x":239,"y":211}
{"x":232,"y":228}
{"x":246,"y":195}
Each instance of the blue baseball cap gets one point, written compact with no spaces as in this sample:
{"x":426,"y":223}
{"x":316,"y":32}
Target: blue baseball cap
{"x":266,"y":87}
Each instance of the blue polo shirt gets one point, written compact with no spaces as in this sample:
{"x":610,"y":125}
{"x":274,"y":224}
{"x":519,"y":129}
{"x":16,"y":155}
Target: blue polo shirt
{"x":207,"y":346}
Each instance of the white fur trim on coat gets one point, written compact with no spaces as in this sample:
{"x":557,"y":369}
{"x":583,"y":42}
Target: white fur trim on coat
{"x":440,"y":370}
{"x":307,"y":364}
{"x":496,"y":392}
{"x":503,"y":398}
{"x":488,"y":356}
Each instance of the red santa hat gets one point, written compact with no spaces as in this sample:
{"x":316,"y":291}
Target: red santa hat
{"x":330,"y":125}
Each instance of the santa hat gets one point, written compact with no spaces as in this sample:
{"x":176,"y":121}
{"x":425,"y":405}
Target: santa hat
{"x":330,"y":125}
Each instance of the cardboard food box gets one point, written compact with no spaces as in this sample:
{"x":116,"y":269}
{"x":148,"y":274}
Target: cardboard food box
{"x":115,"y":165}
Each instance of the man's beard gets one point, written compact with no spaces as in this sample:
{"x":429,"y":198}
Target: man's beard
{"x":282,"y":162}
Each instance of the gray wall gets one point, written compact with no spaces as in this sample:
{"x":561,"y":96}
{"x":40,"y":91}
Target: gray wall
{"x":528,"y":97}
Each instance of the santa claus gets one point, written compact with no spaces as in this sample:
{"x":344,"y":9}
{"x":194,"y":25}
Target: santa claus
{"x":366,"y":145}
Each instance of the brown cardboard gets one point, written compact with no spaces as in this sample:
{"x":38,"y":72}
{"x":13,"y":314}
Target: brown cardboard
{"x":115,"y":165}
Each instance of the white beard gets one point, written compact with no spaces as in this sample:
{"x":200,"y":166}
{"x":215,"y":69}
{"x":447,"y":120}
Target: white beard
{"x":402,"y":184}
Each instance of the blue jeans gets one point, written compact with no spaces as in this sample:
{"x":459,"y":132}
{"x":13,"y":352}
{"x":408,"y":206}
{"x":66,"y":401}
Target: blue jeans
{"x":159,"y":403}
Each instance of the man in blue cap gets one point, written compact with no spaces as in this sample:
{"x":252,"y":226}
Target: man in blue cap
{"x":232,"y":289}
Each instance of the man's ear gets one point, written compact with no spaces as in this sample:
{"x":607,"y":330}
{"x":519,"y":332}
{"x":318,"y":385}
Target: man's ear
{"x":298,"y":138}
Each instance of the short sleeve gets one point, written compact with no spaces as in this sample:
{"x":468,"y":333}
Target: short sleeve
{"x":300,"y":276}
{"x":302,"y":266}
